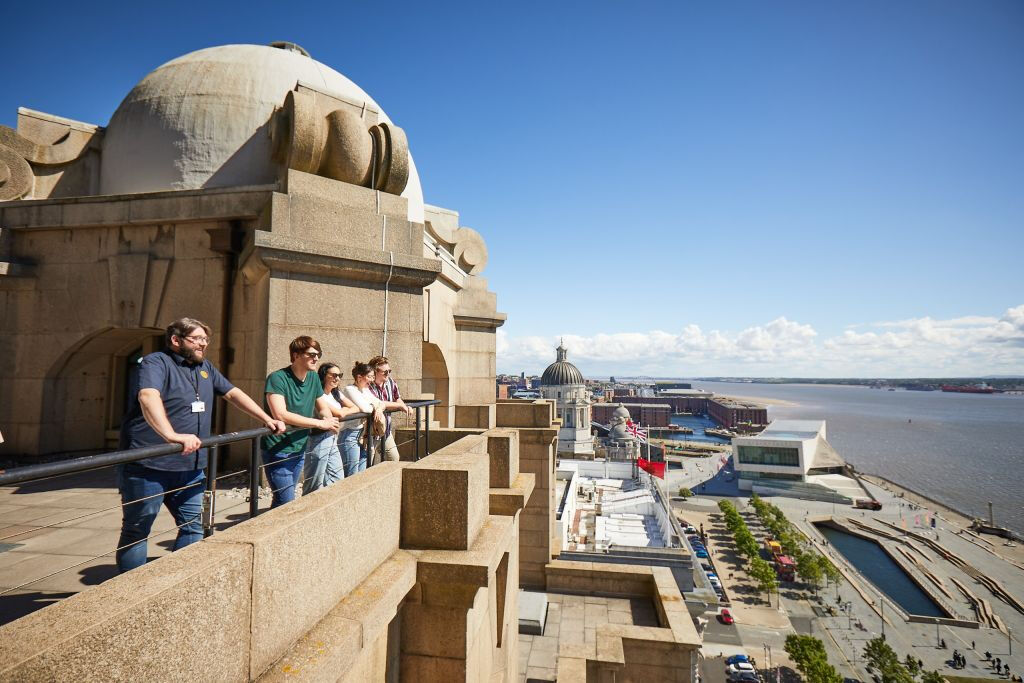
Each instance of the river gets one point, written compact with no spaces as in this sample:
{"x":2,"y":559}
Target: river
{"x":960,"y":449}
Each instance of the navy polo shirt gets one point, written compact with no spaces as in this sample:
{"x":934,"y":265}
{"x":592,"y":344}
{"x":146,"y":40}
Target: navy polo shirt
{"x":178,"y":382}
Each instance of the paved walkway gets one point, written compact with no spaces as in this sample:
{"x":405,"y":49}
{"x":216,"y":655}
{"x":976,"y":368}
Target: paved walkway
{"x":57,"y":537}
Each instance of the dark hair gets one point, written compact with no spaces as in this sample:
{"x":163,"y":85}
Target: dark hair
{"x":322,"y":371}
{"x":378,"y":361}
{"x":360,"y":369}
{"x":182,"y":326}
{"x":303,"y":344}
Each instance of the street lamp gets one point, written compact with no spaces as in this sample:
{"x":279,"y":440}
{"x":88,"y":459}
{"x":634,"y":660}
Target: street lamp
{"x":881,"y":601}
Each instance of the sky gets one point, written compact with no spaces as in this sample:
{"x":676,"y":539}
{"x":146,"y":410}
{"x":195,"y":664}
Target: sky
{"x":675,"y":188}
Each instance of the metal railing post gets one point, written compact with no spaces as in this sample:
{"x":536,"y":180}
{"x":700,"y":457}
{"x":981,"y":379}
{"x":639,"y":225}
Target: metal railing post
{"x":369,"y":440}
{"x":210,"y":495}
{"x":254,"y":477}
{"x":426,"y":431}
{"x":417,"y":432}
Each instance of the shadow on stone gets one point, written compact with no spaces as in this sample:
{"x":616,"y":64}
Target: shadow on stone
{"x":14,"y":606}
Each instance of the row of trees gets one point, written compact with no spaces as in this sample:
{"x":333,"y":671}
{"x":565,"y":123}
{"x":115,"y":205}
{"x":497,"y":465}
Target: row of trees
{"x":759,"y":570}
{"x":808,"y":655}
{"x":811,"y":566}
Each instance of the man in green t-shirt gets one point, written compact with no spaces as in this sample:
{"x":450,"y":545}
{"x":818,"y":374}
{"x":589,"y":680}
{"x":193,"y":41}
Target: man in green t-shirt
{"x":295,"y":396}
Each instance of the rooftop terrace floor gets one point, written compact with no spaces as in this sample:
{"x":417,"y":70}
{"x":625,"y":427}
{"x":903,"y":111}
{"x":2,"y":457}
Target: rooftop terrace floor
{"x":574,"y":619}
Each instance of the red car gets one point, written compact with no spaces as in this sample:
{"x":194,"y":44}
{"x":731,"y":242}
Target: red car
{"x":726,"y":616}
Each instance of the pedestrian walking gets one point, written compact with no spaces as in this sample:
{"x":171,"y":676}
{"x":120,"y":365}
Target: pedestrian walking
{"x":294,"y":395}
{"x":172,"y":401}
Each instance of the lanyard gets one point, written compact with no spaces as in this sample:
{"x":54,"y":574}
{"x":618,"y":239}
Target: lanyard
{"x":192,"y":380}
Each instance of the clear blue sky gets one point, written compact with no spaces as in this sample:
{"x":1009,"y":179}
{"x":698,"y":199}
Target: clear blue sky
{"x":718,"y":165}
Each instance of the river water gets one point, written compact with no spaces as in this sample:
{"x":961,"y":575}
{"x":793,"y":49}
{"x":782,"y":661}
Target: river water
{"x":960,"y":449}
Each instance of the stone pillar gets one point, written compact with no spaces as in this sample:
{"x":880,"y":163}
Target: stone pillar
{"x":538,"y":433}
{"x":458,"y":621}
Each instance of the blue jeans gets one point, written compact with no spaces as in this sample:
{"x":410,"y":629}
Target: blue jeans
{"x":283,"y":473}
{"x":156,"y":486}
{"x":323,"y":462}
{"x":352,"y":454}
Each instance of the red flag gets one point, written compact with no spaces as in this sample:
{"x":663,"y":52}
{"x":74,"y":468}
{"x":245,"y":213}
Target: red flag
{"x":655,"y":468}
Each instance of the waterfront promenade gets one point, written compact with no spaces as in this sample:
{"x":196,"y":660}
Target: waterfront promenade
{"x":796,"y":610}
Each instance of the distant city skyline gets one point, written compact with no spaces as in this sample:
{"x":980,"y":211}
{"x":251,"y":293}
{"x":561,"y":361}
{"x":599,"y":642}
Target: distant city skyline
{"x":793,"y":188}
{"x":972,"y":346}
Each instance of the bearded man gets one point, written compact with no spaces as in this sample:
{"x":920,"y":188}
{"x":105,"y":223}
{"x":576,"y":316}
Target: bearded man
{"x":173,"y":403}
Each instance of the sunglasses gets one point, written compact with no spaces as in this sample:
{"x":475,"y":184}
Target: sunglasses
{"x":384,"y":372}
{"x":334,"y":375}
{"x":313,"y":355}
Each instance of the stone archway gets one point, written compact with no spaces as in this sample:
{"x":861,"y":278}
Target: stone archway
{"x":436,"y":382}
{"x":84,"y":394}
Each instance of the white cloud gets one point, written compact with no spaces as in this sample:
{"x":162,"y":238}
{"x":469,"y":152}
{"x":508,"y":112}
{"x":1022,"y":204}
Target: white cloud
{"x":969,"y":345}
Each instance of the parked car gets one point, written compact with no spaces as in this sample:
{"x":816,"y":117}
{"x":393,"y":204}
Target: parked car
{"x":706,"y":566}
{"x":738,"y":667}
{"x":701,"y":554}
{"x":737,"y":658}
{"x":714,"y":581}
{"x":744,"y":677}
{"x":726,"y":618}
{"x":690,"y":530}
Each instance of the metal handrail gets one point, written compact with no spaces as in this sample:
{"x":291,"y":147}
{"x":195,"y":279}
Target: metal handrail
{"x":27,"y":473}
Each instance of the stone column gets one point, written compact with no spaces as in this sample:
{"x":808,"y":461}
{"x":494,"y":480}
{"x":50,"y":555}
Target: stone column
{"x":538,"y":433}
{"x":458,"y":621}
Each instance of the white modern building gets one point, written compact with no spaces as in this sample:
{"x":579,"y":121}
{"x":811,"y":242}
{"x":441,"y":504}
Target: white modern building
{"x":562,"y":382}
{"x":794,"y":458}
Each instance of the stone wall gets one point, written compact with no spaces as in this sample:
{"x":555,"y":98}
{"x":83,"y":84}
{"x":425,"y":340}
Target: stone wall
{"x":403,"y":572}
{"x":86,"y":281}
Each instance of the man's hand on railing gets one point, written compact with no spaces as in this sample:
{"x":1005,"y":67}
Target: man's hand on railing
{"x":190,"y":442}
{"x":275,"y":426}
{"x":330,"y":424}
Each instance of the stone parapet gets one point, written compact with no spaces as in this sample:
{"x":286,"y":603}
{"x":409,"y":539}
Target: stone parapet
{"x":400,"y":572}
{"x":444,"y":497}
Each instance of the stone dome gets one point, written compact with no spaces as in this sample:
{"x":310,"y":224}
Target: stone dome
{"x":202,"y":120}
{"x":621,"y":411}
{"x":561,"y":372}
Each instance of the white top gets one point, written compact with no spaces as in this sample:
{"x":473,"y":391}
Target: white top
{"x":364,"y":400}
{"x":333,"y":401}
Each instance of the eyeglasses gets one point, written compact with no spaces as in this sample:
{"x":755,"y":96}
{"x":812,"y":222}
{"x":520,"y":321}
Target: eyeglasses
{"x":312,"y":355}
{"x":384,"y":372}
{"x":198,"y":340}
{"x":334,"y":375}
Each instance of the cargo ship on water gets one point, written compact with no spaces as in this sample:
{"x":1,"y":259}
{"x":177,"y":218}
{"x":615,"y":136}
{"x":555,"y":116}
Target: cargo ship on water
{"x":969,"y":388}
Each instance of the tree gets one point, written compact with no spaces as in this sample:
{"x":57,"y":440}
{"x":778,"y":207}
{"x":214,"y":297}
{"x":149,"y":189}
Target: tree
{"x":746,"y":543}
{"x":911,"y":665}
{"x":808,"y":654}
{"x":829,"y":570}
{"x":932,"y":677}
{"x":884,"y":659}
{"x":808,"y":568}
{"x":685,"y":492}
{"x":764,"y":574}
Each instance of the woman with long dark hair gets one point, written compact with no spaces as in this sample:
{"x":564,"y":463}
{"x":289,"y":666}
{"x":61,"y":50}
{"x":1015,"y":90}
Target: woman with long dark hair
{"x":323,"y":464}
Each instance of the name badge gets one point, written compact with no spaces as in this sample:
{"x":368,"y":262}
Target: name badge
{"x":198,"y":407}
